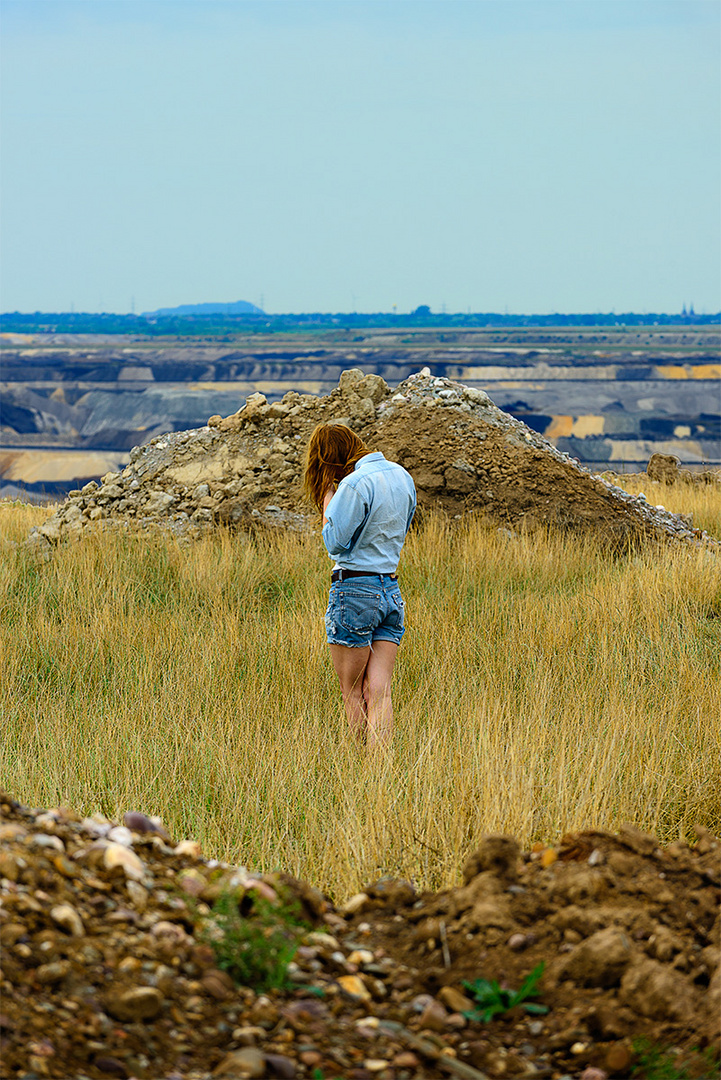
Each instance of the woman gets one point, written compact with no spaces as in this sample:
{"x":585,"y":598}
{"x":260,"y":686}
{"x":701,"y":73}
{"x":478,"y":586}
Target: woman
{"x":367,"y":504}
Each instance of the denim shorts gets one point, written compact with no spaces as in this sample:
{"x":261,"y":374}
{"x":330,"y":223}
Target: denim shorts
{"x":365,"y":609}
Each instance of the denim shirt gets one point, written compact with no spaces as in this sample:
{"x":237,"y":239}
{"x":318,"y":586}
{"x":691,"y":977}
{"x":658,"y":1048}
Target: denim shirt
{"x":369,"y":516}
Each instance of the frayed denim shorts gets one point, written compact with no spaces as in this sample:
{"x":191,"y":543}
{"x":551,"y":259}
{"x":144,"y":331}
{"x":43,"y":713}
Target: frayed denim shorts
{"x":365,"y":609}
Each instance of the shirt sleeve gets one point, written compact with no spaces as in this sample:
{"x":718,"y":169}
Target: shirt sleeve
{"x":412,"y":513}
{"x":346,"y":515}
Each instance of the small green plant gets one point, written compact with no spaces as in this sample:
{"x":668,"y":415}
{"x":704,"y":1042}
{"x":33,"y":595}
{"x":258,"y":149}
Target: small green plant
{"x":656,"y":1062}
{"x":494,"y":1001}
{"x":254,"y":943}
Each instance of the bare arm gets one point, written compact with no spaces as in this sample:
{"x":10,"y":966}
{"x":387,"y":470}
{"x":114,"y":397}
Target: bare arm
{"x":326,"y":499}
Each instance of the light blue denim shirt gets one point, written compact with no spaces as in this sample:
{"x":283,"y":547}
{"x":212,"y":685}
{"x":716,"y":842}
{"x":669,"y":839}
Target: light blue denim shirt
{"x":369,"y":516}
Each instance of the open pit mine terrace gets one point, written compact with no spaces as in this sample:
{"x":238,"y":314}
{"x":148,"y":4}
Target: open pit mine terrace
{"x":73,"y":406}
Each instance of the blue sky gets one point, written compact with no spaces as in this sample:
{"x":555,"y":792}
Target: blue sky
{"x":551,"y":155}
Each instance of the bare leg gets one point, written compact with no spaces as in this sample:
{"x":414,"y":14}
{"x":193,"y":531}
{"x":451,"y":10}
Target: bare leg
{"x":377,"y":693}
{"x":350,"y":666}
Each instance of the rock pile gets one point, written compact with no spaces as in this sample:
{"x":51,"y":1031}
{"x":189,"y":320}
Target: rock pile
{"x":464,"y":453}
{"x":108,"y":969}
{"x":666,"y":469}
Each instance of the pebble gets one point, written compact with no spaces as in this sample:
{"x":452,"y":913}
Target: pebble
{"x":454,"y":1000}
{"x":118,"y":855}
{"x":191,"y":848}
{"x":354,"y":988}
{"x":244,"y":1064}
{"x":140,"y":823}
{"x":138,"y":895}
{"x":49,"y":974}
{"x":434,"y":1017}
{"x":355,"y":904}
{"x":66,"y":917}
{"x":138,"y":1003}
{"x":111,"y":1066}
{"x":360,"y":957}
{"x":281,"y":1066}
{"x":121,"y":835}
{"x":44,"y":840}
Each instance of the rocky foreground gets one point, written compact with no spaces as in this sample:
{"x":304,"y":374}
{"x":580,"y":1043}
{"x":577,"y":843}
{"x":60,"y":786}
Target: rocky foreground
{"x":118,"y":947}
{"x":465,"y":456}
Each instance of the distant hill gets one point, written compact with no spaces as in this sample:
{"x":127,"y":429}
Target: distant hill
{"x":239,"y":307}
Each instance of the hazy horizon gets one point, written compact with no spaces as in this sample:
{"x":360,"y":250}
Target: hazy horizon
{"x":557,"y":156}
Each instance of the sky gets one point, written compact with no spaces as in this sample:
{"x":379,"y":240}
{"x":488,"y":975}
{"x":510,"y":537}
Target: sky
{"x":529,"y":156}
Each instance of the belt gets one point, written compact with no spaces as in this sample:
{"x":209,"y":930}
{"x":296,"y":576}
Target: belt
{"x":341,"y":575}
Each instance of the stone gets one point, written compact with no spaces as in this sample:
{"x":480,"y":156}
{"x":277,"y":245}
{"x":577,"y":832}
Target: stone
{"x":498,"y":854}
{"x":360,"y":957}
{"x":67,"y":918}
{"x":454,"y":1000}
{"x":653,"y":990}
{"x":43,"y":840}
{"x":138,"y":895}
{"x":115,"y":855}
{"x":55,"y":972}
{"x":640,"y":842}
{"x":355,"y":904}
{"x":406,"y":1060}
{"x":606,"y":1022}
{"x":599,"y":960}
{"x":218,"y":984}
{"x":159,"y":502}
{"x":245,"y":1064}
{"x":111,"y":1066}
{"x":280,"y":1066}
{"x":120,"y":834}
{"x":663,"y":468}
{"x":619,"y":1060}
{"x":10,"y":865}
{"x":191,"y":848}
{"x":12,"y":830}
{"x":433,"y":1017}
{"x":373,"y":387}
{"x":354,"y":988}
{"x":137,"y":1003}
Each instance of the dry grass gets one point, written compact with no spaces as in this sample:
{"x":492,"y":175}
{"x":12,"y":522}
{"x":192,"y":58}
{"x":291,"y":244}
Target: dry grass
{"x":542,"y":686}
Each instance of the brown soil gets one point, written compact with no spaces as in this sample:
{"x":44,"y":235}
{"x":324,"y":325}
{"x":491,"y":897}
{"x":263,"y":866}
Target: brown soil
{"x":105,"y":971}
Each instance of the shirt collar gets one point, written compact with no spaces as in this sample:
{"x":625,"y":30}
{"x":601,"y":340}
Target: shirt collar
{"x":375,"y":456}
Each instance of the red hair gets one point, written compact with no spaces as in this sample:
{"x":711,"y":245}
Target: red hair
{"x":332,"y":453}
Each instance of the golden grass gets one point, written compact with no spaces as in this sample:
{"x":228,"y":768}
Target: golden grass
{"x":542,"y":686}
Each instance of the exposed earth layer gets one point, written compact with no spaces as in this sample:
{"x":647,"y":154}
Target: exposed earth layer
{"x":115,"y":958}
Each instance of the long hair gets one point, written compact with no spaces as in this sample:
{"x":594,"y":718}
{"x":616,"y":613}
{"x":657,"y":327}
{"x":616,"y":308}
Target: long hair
{"x":332,"y":453}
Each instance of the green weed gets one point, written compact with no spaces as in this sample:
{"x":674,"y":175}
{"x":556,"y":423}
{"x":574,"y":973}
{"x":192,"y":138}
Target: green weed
{"x":255,"y":946}
{"x":656,"y":1062}
{"x":493,"y":1000}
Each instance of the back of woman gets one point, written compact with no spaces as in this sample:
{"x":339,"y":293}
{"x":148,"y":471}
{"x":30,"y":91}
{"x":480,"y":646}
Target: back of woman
{"x":367,"y":505}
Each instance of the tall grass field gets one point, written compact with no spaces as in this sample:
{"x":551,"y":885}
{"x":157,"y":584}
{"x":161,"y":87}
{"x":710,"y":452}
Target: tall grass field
{"x":542,"y":686}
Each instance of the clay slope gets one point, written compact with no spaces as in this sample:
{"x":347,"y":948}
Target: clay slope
{"x":115,"y":961}
{"x":464,"y":453}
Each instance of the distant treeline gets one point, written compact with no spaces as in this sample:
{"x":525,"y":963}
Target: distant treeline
{"x":217,"y":325}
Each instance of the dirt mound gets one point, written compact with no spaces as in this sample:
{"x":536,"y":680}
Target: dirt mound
{"x":665,"y":469}
{"x":116,"y":951}
{"x":464,"y":454}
